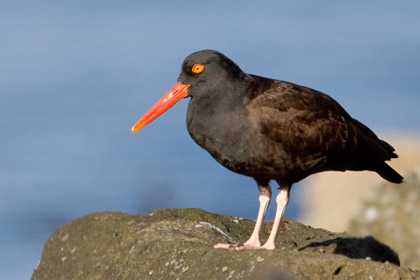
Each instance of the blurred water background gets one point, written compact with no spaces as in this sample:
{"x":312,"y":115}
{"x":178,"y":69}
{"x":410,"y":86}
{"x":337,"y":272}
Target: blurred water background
{"x":76,"y":75}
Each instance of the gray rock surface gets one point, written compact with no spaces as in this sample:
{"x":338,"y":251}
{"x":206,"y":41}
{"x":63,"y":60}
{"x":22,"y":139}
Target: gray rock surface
{"x":391,"y":213}
{"x":178,"y":244}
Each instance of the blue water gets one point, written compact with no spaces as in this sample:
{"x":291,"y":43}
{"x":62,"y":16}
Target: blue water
{"x":76,"y":75}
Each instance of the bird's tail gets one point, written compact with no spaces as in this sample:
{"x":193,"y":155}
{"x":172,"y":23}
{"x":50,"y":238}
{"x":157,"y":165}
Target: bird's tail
{"x":390,"y":150}
{"x":386,"y":172}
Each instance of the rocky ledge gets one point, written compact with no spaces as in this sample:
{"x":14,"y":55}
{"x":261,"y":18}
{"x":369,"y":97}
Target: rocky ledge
{"x":178,"y":244}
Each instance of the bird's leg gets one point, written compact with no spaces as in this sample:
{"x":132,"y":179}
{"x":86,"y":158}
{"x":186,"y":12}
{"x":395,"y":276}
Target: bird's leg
{"x":282,"y":201}
{"x":265,"y":197}
{"x":254,"y":241}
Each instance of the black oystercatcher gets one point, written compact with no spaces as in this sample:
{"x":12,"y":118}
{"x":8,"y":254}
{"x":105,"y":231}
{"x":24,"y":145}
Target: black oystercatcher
{"x":269,"y":129}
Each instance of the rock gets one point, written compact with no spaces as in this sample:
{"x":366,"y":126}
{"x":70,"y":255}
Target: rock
{"x":391,"y":213}
{"x":178,"y":244}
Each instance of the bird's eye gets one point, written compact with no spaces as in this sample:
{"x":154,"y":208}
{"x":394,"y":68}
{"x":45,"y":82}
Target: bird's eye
{"x":197,"y":68}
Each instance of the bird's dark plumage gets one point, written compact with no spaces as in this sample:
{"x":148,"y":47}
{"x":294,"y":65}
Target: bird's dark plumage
{"x":270,"y":129}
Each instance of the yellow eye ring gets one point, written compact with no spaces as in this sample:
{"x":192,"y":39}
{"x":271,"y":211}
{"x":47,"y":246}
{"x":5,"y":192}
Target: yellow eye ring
{"x":197,"y":68}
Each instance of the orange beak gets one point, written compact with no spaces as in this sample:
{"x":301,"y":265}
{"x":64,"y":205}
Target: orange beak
{"x":178,"y":92}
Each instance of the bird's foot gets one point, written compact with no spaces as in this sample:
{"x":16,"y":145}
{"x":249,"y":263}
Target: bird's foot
{"x":268,"y":246}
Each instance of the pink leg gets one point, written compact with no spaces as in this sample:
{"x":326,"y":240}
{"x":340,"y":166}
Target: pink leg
{"x":282,"y":201}
{"x":254,"y":241}
{"x":265,"y":198}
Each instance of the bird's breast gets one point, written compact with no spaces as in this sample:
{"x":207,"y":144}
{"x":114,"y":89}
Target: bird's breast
{"x":225,"y":134}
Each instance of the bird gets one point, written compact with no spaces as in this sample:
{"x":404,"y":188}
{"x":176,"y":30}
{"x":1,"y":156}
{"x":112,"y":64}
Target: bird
{"x":269,"y":129}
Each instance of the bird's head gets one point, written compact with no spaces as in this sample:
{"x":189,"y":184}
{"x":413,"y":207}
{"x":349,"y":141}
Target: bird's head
{"x":202,"y":72}
{"x":208,"y":70}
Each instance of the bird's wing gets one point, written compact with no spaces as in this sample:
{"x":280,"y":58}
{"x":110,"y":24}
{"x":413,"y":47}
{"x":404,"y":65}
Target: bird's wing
{"x":305,"y":121}
{"x":315,"y":131}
